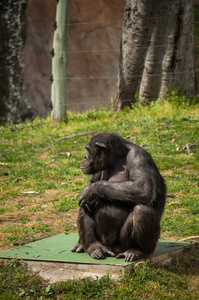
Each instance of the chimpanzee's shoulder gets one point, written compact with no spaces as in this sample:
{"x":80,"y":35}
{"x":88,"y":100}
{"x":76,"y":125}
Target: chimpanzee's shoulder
{"x":135,"y":149}
{"x":137,"y":153}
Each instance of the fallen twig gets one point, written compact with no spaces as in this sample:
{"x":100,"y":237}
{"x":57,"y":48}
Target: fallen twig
{"x":13,"y":128}
{"x":172,"y":196}
{"x":7,"y":218}
{"x":189,"y":238}
{"x":188,"y":147}
{"x":75,"y":135}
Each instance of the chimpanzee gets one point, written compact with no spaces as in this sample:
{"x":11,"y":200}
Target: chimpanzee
{"x":121,"y":207}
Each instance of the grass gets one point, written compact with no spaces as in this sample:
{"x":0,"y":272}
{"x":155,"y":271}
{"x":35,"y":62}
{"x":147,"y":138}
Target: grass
{"x":177,"y":280}
{"x":40,"y":183}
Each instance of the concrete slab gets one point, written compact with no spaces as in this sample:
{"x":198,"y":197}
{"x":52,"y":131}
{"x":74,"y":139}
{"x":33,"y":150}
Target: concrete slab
{"x":52,"y":258}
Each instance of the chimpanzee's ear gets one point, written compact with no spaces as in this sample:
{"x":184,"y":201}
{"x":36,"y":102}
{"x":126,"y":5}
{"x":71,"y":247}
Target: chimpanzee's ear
{"x":102,"y":145}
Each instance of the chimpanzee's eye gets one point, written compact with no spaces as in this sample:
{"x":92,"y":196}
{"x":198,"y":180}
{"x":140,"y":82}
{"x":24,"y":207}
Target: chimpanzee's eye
{"x":86,"y":156}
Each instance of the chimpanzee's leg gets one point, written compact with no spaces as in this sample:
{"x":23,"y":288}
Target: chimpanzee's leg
{"x":89,"y":240}
{"x":140,"y":233}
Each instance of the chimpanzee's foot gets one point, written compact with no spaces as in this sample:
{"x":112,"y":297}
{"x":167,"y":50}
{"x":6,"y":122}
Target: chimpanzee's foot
{"x":98,"y":251}
{"x":77,"y":248}
{"x":132,"y":255}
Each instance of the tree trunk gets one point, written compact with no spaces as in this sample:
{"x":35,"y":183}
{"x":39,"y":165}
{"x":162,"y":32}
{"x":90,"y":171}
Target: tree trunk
{"x":12,"y":36}
{"x":157,"y":50}
{"x":59,"y":63}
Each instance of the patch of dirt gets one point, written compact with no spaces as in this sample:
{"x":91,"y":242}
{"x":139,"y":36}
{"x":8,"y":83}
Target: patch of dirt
{"x":30,"y":216}
{"x":167,"y":173}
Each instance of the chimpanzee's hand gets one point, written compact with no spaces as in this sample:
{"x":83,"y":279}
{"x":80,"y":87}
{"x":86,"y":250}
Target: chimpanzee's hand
{"x":87,"y":195}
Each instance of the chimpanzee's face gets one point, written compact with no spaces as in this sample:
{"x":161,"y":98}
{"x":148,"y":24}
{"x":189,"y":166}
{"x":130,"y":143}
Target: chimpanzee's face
{"x":94,"y":159}
{"x":87,"y":165}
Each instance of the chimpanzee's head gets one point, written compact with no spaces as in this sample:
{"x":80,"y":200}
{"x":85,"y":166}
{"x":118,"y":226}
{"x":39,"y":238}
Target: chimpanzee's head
{"x":101,"y":152}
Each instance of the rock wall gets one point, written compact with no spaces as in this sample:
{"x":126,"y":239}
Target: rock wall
{"x":93,"y":58}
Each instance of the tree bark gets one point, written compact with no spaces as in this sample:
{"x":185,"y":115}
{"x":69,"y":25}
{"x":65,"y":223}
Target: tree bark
{"x":12,"y":37}
{"x":157,"y":50}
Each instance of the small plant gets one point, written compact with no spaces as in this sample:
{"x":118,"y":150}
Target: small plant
{"x":179,"y":98}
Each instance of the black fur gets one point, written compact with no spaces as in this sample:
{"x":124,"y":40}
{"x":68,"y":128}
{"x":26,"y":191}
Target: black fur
{"x":121,"y":207}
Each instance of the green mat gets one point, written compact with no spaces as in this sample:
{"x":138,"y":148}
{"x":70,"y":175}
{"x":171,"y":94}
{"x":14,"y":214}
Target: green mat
{"x":57,"y":249}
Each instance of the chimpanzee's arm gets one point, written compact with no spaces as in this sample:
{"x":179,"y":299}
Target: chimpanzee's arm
{"x":129,"y":192}
{"x":132,"y":192}
{"x":141,"y":187}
